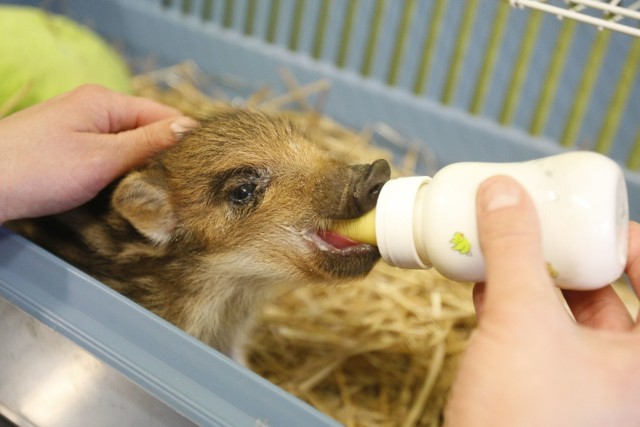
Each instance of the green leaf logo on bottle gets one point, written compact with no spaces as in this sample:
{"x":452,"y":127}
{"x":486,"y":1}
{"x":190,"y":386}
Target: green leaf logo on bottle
{"x":552,"y":271}
{"x":460,"y":244}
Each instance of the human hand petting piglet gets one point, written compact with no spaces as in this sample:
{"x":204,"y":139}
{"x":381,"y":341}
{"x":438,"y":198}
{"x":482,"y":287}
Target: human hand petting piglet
{"x":59,"y":154}
{"x":529,"y":363}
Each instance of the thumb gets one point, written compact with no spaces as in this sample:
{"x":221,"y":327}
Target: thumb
{"x":136,"y":146}
{"x":510,"y":238}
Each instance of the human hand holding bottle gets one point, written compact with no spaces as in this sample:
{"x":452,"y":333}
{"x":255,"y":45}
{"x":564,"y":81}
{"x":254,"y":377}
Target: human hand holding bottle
{"x":528,"y":362}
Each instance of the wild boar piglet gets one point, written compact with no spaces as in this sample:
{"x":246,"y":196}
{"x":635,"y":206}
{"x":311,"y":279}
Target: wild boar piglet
{"x":209,"y":230}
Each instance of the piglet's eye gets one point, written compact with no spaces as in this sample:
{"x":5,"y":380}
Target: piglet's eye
{"x":243,"y":193}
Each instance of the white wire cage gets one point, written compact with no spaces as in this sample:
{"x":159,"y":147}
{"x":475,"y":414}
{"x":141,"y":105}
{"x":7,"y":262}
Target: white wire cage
{"x":617,"y":15}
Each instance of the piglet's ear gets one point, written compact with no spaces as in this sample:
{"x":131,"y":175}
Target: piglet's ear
{"x":143,"y":200}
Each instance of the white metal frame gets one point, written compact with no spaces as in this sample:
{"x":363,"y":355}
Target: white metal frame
{"x":575,"y":9}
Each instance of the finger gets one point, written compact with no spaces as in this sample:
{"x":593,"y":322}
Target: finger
{"x":134,"y":147}
{"x":510,"y":239}
{"x":600,"y":308}
{"x":131,"y":112}
{"x":633,"y":258}
{"x":109,"y":112}
{"x":478,"y":298}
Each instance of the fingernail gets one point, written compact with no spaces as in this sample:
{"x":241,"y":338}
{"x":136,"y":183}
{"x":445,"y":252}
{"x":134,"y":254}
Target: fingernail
{"x":499,"y":192}
{"x":182,"y":125}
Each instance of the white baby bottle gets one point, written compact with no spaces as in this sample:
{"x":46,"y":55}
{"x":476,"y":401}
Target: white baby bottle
{"x":580,"y":197}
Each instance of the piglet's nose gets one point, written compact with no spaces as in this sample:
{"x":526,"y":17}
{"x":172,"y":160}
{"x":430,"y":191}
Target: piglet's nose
{"x":368,"y":184}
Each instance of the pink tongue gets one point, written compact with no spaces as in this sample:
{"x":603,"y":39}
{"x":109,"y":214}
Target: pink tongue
{"x":336,"y":240}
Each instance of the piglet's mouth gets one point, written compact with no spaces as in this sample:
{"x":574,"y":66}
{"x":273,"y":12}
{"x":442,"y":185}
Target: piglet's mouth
{"x":338,"y":241}
{"x":331,"y":241}
{"x":340,"y":257}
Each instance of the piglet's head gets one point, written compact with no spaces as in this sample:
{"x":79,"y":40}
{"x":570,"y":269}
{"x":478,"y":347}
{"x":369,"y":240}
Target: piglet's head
{"x":251,"y":194}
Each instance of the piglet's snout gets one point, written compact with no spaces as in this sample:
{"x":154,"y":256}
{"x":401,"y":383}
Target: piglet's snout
{"x":367,"y":184}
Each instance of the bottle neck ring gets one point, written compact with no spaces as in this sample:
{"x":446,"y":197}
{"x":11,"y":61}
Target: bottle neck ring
{"x":396,"y":221}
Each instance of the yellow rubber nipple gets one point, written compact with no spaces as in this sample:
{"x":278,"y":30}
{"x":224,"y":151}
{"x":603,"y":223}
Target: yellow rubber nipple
{"x":362,"y":229}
